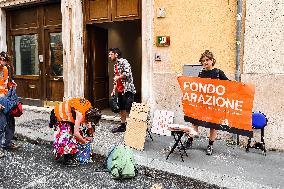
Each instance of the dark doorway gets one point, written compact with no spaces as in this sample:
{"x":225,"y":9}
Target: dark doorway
{"x":125,"y":35}
{"x":97,"y":67}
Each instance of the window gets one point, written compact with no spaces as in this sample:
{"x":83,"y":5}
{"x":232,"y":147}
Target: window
{"x":56,"y":55}
{"x":26,"y":55}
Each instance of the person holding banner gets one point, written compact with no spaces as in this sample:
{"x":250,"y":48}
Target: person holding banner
{"x":208,"y":61}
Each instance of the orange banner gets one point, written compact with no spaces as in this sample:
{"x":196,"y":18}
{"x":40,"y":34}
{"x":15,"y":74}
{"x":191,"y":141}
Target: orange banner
{"x":219,"y":104}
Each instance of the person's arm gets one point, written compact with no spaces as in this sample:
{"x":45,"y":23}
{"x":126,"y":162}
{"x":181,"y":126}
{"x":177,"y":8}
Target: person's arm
{"x":77,"y":124}
{"x":113,"y":90}
{"x":90,"y":130}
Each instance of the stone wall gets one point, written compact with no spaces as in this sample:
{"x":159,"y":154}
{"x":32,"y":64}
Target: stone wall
{"x":264,"y":64}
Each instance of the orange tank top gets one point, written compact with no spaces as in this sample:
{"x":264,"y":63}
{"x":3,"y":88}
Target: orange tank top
{"x":63,"y":110}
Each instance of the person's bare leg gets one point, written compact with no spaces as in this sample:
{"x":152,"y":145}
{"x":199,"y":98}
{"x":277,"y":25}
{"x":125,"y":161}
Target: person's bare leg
{"x":123,"y":116}
{"x":213,"y":134}
{"x":195,"y":128}
{"x":122,"y":126}
{"x":189,"y":141}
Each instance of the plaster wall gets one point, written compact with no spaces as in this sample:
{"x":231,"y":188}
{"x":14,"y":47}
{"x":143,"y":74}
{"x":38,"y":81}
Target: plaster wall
{"x":264,"y":64}
{"x":193,"y":27}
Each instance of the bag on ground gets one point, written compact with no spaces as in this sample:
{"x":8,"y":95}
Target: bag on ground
{"x":114,"y":104}
{"x":84,"y":153}
{"x":121,"y":163}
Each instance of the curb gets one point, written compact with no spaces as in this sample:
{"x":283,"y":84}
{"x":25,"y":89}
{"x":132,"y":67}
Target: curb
{"x":149,"y":164}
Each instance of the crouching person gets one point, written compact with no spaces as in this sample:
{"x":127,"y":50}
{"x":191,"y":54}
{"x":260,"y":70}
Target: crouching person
{"x":70,"y":115}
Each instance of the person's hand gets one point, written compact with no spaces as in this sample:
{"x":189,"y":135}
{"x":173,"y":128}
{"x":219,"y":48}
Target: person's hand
{"x":116,"y":78}
{"x":86,"y":140}
{"x":89,"y":139}
{"x":1,"y":107}
{"x":14,"y":84}
{"x":113,"y":92}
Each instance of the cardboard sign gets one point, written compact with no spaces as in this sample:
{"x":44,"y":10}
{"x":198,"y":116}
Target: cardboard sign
{"x":161,"y":121}
{"x":137,"y":125}
{"x":219,"y":104}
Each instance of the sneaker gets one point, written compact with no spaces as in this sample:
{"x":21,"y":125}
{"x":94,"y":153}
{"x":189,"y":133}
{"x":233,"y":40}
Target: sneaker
{"x":209,"y":150}
{"x":121,"y":128}
{"x":71,"y":161}
{"x":2,"y":154}
{"x":12,"y":146}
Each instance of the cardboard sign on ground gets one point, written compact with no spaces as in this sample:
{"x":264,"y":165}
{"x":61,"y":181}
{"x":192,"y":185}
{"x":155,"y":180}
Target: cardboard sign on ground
{"x":137,"y":125}
{"x":135,"y":134}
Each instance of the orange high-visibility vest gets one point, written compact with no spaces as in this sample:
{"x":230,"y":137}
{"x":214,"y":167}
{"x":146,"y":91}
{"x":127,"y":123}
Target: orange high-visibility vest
{"x":63,"y":110}
{"x":3,"y":80}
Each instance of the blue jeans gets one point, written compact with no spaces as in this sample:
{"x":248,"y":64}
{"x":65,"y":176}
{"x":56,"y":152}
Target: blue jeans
{"x":10,"y":130}
{"x":3,"y":125}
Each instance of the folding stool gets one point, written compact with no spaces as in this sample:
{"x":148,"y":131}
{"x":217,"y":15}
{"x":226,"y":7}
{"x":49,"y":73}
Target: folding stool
{"x":259,"y":121}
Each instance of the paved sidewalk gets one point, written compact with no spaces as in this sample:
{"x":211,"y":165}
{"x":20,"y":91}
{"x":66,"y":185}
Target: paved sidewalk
{"x":229,"y":166}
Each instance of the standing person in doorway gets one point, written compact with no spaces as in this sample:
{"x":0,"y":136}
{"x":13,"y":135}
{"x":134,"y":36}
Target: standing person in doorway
{"x":7,"y":123}
{"x":208,"y":61}
{"x":122,"y":84}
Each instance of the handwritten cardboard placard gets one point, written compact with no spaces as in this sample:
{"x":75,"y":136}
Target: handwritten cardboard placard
{"x":161,"y":120}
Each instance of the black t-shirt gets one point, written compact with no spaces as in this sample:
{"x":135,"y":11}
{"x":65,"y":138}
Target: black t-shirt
{"x":213,"y":74}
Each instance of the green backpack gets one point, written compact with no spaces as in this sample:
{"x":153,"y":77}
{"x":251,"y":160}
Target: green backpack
{"x":120,"y":162}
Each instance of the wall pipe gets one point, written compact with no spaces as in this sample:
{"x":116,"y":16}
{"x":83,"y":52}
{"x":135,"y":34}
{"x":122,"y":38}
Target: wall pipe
{"x":238,"y":41}
{"x":238,"y":50}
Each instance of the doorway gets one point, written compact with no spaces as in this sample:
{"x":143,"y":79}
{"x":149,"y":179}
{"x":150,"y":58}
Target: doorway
{"x":125,"y":35}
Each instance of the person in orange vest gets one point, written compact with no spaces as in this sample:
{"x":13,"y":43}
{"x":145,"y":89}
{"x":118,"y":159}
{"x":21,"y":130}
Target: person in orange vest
{"x":70,"y":115}
{"x":7,"y":122}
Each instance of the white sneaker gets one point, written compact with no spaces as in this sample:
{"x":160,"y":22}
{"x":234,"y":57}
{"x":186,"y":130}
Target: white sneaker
{"x":209,"y":150}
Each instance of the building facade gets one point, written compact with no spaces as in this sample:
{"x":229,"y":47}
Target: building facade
{"x":73,"y":37}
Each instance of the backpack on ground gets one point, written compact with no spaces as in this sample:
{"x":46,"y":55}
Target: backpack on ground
{"x":120,"y":162}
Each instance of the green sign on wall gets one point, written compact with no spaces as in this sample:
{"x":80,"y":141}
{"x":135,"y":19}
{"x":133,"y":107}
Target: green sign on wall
{"x":163,"y":41}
